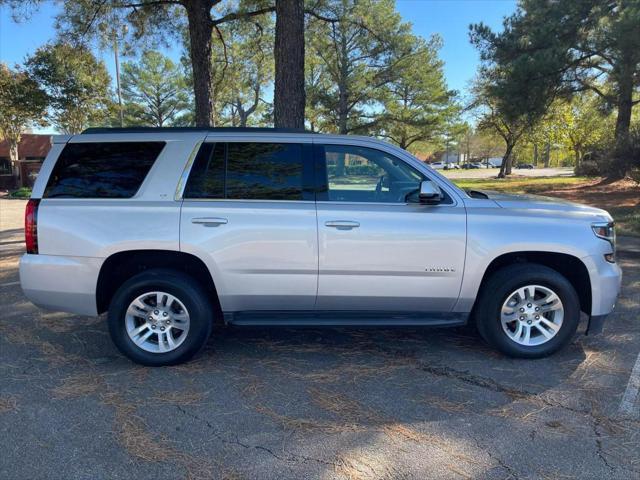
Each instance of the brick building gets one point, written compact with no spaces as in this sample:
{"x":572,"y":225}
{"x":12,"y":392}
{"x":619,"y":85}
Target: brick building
{"x":31,"y":153}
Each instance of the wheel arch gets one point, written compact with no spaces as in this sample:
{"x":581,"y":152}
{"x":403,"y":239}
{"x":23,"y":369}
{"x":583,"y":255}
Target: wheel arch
{"x":120,"y":266}
{"x":570,"y":266}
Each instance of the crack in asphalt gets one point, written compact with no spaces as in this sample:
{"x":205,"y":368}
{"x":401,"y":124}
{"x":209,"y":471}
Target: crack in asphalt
{"x":510,"y":470}
{"x":291,"y":458}
{"x":493,"y":385}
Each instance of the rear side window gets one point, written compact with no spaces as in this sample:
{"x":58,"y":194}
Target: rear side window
{"x":249,"y":171}
{"x":102,"y":170}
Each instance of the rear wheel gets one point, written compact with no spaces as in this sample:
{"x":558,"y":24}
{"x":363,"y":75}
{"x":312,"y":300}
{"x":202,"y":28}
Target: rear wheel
{"x":527,"y":311}
{"x":160,"y":317}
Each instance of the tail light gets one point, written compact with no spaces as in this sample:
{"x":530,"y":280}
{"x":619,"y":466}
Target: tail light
{"x":31,"y":225}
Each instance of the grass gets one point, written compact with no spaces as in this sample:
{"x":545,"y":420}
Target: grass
{"x":23,"y":192}
{"x":627,"y":220}
{"x":520,"y":184}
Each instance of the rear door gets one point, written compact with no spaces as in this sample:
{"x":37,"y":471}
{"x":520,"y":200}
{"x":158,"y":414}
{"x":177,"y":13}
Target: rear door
{"x":249,"y":213}
{"x":381,"y":250}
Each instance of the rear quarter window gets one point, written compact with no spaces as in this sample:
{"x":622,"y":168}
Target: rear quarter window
{"x":102,"y":169}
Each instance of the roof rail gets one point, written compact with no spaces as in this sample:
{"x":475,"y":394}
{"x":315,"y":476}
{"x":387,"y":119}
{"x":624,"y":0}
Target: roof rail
{"x":193,"y":129}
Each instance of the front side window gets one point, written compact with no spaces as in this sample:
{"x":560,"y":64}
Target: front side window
{"x":247,"y":171}
{"x":360,"y":174}
{"x":102,"y":169}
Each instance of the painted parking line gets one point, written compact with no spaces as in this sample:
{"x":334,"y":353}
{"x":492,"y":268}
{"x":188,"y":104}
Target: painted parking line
{"x":628,"y":405}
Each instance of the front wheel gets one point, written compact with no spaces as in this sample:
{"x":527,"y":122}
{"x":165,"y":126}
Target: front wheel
{"x":160,"y":317}
{"x":527,"y":311}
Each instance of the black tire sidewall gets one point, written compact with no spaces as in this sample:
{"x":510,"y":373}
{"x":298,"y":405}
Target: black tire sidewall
{"x":183,"y":287}
{"x":506,"y":281}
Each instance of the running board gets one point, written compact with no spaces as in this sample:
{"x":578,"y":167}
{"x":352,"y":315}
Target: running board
{"x":345,"y":319}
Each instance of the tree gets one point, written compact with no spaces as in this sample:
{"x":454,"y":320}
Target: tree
{"x":289,"y":93}
{"x":575,"y":46}
{"x":22,"y":104}
{"x":501,"y":107}
{"x":154,"y":90}
{"x":358,"y":52}
{"x":246,"y":57}
{"x":582,"y":124}
{"x":77,"y":85}
{"x":417,"y":106}
{"x":157,"y":19}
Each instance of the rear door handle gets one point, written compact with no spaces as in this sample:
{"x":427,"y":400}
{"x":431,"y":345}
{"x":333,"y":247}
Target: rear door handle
{"x":342,"y":224}
{"x":210,"y":221}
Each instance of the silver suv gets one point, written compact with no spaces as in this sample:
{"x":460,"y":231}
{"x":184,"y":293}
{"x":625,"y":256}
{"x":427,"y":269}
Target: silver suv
{"x":174,"y":230}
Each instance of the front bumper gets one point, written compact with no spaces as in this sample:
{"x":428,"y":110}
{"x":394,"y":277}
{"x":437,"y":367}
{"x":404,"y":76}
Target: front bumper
{"x":606,"y":283}
{"x":596,"y":324}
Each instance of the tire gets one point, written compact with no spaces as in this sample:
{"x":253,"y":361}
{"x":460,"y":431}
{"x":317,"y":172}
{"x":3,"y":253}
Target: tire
{"x":507,"y":331}
{"x":185,"y":306}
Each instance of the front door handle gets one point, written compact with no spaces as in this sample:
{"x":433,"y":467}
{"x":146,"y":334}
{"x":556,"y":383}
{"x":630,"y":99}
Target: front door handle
{"x":209,"y":221}
{"x":342,"y":224}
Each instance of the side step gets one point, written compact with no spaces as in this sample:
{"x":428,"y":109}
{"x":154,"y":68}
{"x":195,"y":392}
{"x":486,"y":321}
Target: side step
{"x":345,"y":319}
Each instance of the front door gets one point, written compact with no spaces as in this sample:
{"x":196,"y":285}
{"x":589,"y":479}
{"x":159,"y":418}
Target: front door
{"x":248,"y":211}
{"x":380,"y":249}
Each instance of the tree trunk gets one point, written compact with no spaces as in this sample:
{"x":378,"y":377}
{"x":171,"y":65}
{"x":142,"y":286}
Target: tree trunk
{"x":200,"y":31}
{"x":535,"y":154}
{"x":343,"y":89}
{"x":289,"y":95}
{"x":547,"y":154}
{"x":505,"y":168}
{"x":13,"y":149}
{"x":621,"y":162}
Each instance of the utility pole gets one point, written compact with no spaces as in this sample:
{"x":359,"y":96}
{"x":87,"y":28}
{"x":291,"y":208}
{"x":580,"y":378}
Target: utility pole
{"x":115,"y":53}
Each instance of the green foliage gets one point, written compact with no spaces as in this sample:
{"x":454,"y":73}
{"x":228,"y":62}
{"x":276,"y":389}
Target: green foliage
{"x":417,"y":106}
{"x":244,"y":70}
{"x":352,"y":59}
{"x":23,"y":192}
{"x":22,"y":104}
{"x":77,"y":85}
{"x":554,"y":49}
{"x":154,"y":91}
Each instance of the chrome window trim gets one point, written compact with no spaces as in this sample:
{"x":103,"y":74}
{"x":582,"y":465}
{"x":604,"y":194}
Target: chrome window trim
{"x":237,"y":200}
{"x":182,"y":183}
{"x":388,"y":204}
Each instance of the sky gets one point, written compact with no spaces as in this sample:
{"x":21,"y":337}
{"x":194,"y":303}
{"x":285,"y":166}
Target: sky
{"x":448,"y":18}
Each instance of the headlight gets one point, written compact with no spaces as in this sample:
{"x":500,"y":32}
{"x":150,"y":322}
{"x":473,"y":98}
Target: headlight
{"x":606,"y":231}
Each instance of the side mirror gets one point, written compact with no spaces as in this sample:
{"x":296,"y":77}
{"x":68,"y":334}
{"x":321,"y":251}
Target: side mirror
{"x":430,"y":193}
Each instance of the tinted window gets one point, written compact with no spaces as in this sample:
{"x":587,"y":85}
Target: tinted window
{"x":102,"y":170}
{"x":248,"y":171}
{"x":358,"y":174}
{"x":264,"y":171}
{"x":207,"y":174}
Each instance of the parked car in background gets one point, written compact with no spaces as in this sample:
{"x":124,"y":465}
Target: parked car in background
{"x":525,"y":166}
{"x":469,"y":166}
{"x":437,"y":165}
{"x":173,"y":231}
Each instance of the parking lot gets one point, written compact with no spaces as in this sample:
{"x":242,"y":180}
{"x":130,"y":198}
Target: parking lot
{"x":312,"y":403}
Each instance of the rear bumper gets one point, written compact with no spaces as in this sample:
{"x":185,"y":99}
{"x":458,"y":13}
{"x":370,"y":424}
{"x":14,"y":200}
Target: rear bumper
{"x":61,"y":283}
